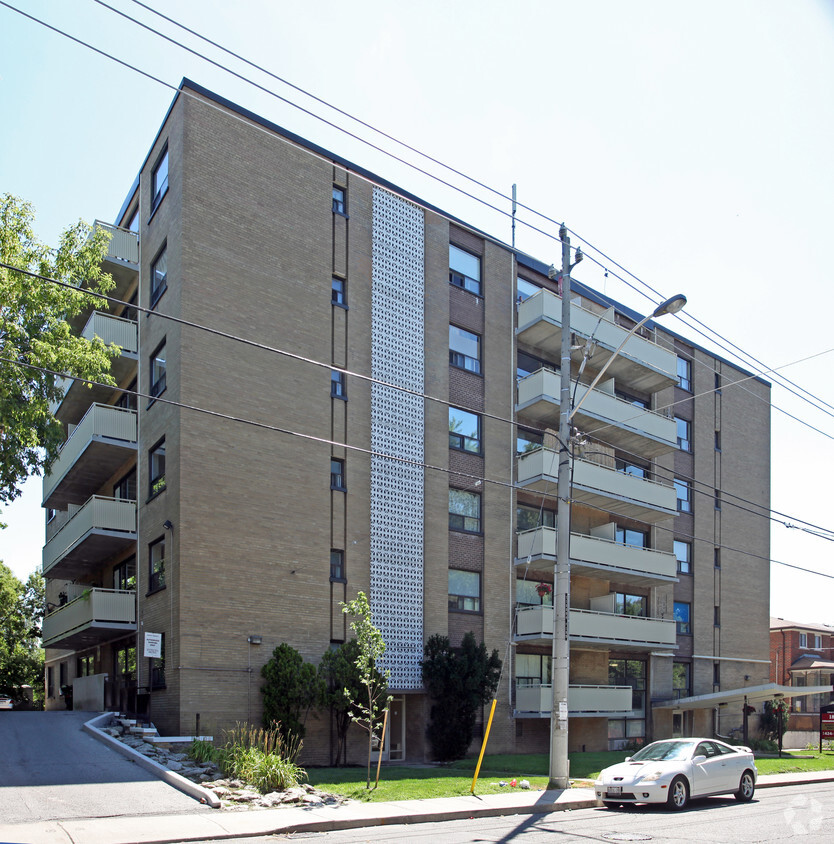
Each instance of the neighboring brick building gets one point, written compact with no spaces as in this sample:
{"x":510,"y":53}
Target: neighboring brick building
{"x":802,"y":655}
{"x":168,"y":515}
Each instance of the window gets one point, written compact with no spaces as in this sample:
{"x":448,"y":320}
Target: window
{"x":156,"y":468}
{"x":718,"y":440}
{"x":532,"y":669}
{"x":133,"y":222}
{"x":803,"y":640}
{"x":681,"y":679}
{"x":464,"y":430}
{"x":464,"y":511}
{"x":634,"y":538}
{"x":817,"y":643}
{"x":159,"y":275}
{"x":50,"y":682}
{"x":718,"y":499}
{"x":159,"y":180}
{"x":528,"y":518}
{"x":684,"y":438}
{"x":338,"y":388}
{"x":525,"y":289}
{"x":127,"y":398}
{"x":464,"y":270}
{"x":337,"y":565}
{"x":716,"y":557}
{"x":527,"y":440}
{"x":716,"y":616}
{"x":85,"y":666}
{"x":526,"y":364}
{"x":156,"y":565}
{"x":337,"y":291}
{"x":685,"y":374}
{"x":158,"y":372}
{"x":337,"y":474}
{"x":682,"y":618}
{"x":625,"y":604}
{"x":464,"y":349}
{"x":683,"y":554}
{"x":464,"y":591}
{"x":125,"y":489}
{"x":339,"y":203}
{"x":716,"y":673}
{"x":637,"y":402}
{"x":62,"y":678}
{"x":124,"y":574}
{"x":630,"y":467}
{"x":527,"y":593}
{"x":717,"y":383}
{"x":684,"y":494}
{"x":158,"y":668}
{"x":125,"y":663}
{"x":630,"y":672}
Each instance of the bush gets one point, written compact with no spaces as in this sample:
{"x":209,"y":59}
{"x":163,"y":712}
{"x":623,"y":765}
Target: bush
{"x":202,"y":751}
{"x":263,"y":758}
{"x":291,"y":686}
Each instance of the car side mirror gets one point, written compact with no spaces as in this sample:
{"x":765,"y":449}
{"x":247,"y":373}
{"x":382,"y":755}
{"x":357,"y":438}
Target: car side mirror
{"x":698,"y":759}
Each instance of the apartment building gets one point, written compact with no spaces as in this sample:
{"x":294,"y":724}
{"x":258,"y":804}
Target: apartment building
{"x":388,"y":426}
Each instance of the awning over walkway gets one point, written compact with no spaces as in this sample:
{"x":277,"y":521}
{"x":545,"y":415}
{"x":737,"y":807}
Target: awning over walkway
{"x":754,"y":695}
{"x":811,"y":663}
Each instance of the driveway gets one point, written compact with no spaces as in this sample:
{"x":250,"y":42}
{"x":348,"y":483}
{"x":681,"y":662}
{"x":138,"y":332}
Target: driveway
{"x":51,"y":770}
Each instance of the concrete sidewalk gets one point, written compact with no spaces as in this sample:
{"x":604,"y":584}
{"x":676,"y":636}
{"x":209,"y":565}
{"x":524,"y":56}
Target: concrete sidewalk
{"x":219,"y":824}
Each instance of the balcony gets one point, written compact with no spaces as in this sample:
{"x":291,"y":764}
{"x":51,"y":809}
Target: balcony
{"x":97,"y":446}
{"x":620,"y":423}
{"x":96,"y":531}
{"x":96,"y":616}
{"x":600,"y":486}
{"x":642,"y":364}
{"x":583,"y":701}
{"x":113,"y":331}
{"x":602,"y":630}
{"x":598,"y":557}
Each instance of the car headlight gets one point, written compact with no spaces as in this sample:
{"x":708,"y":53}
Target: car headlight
{"x":652,"y":776}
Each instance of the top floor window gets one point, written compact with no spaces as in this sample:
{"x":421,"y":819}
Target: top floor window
{"x":159,"y":180}
{"x":525,"y":289}
{"x":685,"y":374}
{"x":464,"y":269}
{"x":464,"y":349}
{"x":339,"y":200}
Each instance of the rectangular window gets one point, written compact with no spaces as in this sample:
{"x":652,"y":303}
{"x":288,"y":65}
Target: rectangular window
{"x":464,"y":270}
{"x":625,"y":604}
{"x":526,"y":364}
{"x":685,"y":374}
{"x":803,"y":640}
{"x":528,"y":518}
{"x":337,"y":474}
{"x":158,"y":669}
{"x":684,"y":495}
{"x":464,"y":430}
{"x":125,"y":489}
{"x":337,"y":384}
{"x":718,"y":499}
{"x":533,"y":669}
{"x":634,"y":538}
{"x":125,"y":663}
{"x":684,"y":437}
{"x":156,"y":565}
{"x":50,"y":682}
{"x":527,"y":441}
{"x":525,"y":289}
{"x":132,"y":224}
{"x":464,"y":349}
{"x":533,"y":592}
{"x":338,"y":295}
{"x":127,"y":399}
{"x":159,"y":180}
{"x":683,"y":554}
{"x":158,"y":370}
{"x":718,"y":440}
{"x":716,"y":557}
{"x":817,"y":643}
{"x":337,"y":565}
{"x":630,"y":672}
{"x":339,"y":201}
{"x":85,"y":666}
{"x":464,"y":511}
{"x":717,"y":383}
{"x":682,"y":617}
{"x":681,"y":679}
{"x":156,"y":468}
{"x":124,"y":574}
{"x":464,"y":591}
{"x":631,"y":467}
{"x":716,"y":616}
{"x":716,"y":673}
{"x":159,"y":275}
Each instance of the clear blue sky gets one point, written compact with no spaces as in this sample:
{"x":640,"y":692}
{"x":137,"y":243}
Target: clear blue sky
{"x":690,"y":142}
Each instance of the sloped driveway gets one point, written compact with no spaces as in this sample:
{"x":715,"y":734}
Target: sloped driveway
{"x":50,"y":769}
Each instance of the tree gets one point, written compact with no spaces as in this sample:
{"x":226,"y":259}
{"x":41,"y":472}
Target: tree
{"x":291,"y":687}
{"x":21,"y":611}
{"x":458,"y":680}
{"x":774,"y":718}
{"x":34,"y":333}
{"x":367,"y":707}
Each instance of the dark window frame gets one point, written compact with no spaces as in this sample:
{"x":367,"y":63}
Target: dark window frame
{"x":684,"y":566}
{"x":159,"y":190}
{"x":158,"y":387}
{"x":457,"y":521}
{"x":457,"y":605}
{"x":459,"y":442}
{"x":683,"y":627}
{"x":461,"y":280}
{"x":460,"y":360}
{"x":337,"y":478}
{"x":338,"y":291}
{"x":684,"y":505}
{"x":685,"y":442}
{"x":337,"y":566}
{"x":339,"y":202}
{"x":157,"y":482}
{"x":156,"y":568}
{"x":685,"y":377}
{"x":158,"y":288}
{"x":338,"y":385}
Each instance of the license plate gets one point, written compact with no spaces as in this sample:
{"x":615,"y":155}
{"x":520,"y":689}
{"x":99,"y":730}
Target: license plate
{"x":615,"y":789}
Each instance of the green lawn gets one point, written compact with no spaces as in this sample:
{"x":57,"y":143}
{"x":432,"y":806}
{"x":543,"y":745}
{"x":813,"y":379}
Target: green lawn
{"x":398,"y":782}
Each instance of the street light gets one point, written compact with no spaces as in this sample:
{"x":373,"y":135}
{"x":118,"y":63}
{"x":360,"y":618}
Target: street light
{"x":559,"y":773}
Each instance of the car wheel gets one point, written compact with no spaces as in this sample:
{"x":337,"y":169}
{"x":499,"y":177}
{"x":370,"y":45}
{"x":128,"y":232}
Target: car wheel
{"x":746,"y":788}
{"x":610,"y":804}
{"x":678,"y":794}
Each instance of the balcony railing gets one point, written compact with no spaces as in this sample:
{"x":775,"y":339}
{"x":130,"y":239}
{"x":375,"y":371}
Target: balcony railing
{"x":618,"y":492}
{"x":601,"y":628}
{"x":623,"y":424}
{"x":599,"y":557}
{"x":95,"y":616}
{"x":124,"y":244}
{"x":95,"y":531}
{"x":584,"y":700}
{"x":641,"y":364}
{"x":97,"y":446}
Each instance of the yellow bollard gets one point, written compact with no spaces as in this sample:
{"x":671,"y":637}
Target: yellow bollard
{"x":483,"y":746}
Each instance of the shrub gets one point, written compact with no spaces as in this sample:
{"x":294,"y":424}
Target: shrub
{"x":291,"y":686}
{"x":262,"y":757}
{"x":202,"y":751}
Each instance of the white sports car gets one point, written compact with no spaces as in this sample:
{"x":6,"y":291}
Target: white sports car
{"x":673,"y":770}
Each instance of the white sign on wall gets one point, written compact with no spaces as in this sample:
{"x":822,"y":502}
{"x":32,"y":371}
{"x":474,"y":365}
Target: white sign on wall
{"x":153,"y":645}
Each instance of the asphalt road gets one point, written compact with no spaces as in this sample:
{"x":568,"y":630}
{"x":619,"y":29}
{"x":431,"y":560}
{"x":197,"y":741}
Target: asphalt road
{"x":50,"y":769}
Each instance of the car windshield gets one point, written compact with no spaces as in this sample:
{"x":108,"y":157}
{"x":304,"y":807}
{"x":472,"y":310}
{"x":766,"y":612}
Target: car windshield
{"x":663,"y":750}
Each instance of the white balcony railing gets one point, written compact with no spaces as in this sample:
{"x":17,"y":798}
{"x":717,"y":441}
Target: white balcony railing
{"x":582,"y":699}
{"x":124,"y":244}
{"x":113,"y":608}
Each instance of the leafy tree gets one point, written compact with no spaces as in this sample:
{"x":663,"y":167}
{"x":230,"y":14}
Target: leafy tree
{"x":769,"y":719}
{"x":341,"y":685}
{"x":291,"y":687}
{"x":34,"y":331}
{"x":21,"y":611}
{"x":367,"y":707}
{"x":458,"y":680}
